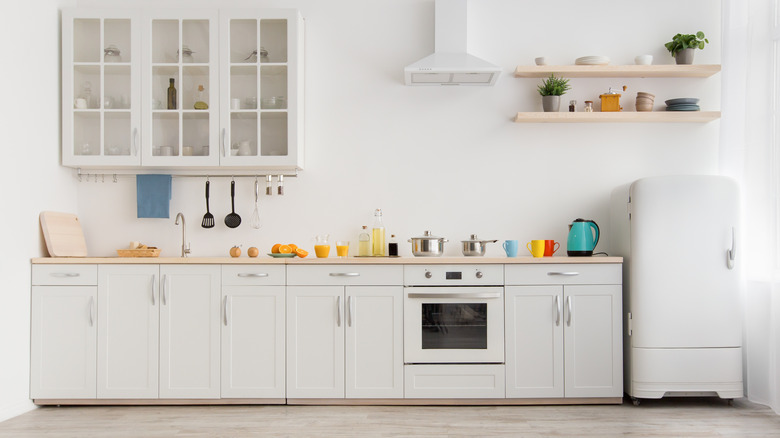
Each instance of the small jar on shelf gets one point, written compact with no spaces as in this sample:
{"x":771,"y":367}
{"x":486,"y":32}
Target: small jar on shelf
{"x":588,"y":106}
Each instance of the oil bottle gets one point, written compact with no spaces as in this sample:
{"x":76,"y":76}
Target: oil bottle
{"x":364,"y":243}
{"x":378,"y":235}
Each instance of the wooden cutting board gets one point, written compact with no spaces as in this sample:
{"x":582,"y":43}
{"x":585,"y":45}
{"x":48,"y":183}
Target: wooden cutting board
{"x":63,"y":234}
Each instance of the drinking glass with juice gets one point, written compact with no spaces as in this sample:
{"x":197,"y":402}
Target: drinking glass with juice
{"x":342,"y":249}
{"x":322,"y":247}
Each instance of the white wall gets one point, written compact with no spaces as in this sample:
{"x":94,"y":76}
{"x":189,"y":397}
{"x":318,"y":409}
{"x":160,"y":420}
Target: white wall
{"x":439,"y":158}
{"x":32,"y":179}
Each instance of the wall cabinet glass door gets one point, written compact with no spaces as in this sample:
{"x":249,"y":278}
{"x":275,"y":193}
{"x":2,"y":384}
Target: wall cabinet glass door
{"x":101,"y":87}
{"x":261,"y":67}
{"x":181,"y":122}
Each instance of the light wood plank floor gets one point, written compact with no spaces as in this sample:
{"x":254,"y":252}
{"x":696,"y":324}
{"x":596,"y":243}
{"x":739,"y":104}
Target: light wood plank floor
{"x":682,"y":417}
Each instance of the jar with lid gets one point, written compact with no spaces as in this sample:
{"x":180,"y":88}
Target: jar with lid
{"x":111,"y":54}
{"x":572,"y":106}
{"x":392,"y":247}
{"x":588,"y":106}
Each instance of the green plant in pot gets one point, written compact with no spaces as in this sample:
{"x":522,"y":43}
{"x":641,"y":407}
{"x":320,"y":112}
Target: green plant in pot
{"x":682,"y":46}
{"x":551,"y":90}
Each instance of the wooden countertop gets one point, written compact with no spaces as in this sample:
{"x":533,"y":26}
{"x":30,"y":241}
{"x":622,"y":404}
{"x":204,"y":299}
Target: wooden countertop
{"x":324,"y":261}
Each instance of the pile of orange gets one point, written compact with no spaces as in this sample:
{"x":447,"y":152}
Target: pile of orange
{"x":290,"y":248}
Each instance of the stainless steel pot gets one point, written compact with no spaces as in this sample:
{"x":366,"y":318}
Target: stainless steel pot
{"x":428,"y":245}
{"x":474,"y":246}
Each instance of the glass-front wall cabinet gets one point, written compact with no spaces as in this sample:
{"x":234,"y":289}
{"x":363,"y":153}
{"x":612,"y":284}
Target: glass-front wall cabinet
{"x":169,"y":88}
{"x":101,"y":88}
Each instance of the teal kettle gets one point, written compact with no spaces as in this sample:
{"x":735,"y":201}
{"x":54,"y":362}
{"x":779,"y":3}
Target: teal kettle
{"x":583,"y":237}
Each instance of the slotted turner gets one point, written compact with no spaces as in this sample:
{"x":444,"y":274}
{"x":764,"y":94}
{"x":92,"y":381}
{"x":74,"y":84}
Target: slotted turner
{"x":208,"y":218}
{"x":232,"y":220}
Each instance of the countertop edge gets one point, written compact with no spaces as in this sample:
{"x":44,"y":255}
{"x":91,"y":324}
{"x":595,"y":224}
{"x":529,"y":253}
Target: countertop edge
{"x":323,"y":261}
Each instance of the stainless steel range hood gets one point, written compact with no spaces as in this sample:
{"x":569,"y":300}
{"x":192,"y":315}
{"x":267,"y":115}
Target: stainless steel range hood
{"x":450,"y":64}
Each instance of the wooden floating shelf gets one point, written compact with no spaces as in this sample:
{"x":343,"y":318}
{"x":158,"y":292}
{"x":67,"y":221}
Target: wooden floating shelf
{"x":618,"y":71}
{"x":619,"y":117}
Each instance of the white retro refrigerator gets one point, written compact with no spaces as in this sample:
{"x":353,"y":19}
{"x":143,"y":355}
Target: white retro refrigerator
{"x":682,"y":312}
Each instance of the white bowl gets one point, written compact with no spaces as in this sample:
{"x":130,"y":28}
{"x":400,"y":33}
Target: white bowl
{"x":540,"y":61}
{"x":643,"y":60}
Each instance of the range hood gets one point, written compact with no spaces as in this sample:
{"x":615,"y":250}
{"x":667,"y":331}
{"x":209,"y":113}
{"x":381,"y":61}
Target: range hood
{"x":450,"y":64}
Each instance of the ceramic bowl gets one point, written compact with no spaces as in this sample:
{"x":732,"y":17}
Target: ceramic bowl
{"x":540,"y":60}
{"x":643,"y":60}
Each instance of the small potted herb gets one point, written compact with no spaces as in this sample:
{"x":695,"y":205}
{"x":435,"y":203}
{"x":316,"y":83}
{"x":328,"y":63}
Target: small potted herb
{"x":551,"y":90}
{"x":682,"y":46}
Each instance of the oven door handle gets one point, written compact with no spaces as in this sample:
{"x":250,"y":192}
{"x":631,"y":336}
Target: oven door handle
{"x":474,"y":295}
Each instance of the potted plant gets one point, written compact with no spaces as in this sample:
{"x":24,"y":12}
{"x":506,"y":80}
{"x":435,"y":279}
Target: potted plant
{"x":682,"y":46}
{"x":551,"y":90}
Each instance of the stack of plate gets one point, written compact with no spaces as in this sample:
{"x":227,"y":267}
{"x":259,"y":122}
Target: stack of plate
{"x":683,"y":104}
{"x":592,"y":60}
{"x":644,"y":101}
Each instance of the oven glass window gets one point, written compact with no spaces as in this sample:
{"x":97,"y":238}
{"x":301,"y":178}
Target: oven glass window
{"x":457,"y":326}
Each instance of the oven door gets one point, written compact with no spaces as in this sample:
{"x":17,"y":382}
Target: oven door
{"x":454,"y":325}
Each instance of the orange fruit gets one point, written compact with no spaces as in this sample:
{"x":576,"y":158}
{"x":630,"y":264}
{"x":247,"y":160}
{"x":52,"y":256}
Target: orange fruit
{"x":301,"y":253}
{"x":292,"y":246}
{"x":284,"y":249}
{"x":275,"y":248}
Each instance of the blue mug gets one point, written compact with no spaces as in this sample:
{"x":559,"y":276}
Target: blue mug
{"x":510,"y":246}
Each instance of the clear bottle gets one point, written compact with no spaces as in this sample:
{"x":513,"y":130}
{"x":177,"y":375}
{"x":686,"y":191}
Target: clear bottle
{"x":392,"y":247}
{"x":171,"y":95}
{"x":200,"y":99}
{"x":364,"y":243}
{"x":378,"y":235}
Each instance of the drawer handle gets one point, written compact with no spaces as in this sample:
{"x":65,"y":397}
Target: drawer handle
{"x":65,"y":274}
{"x":464,"y":295}
{"x":252,"y":274}
{"x":344,"y":274}
{"x":565,"y":274}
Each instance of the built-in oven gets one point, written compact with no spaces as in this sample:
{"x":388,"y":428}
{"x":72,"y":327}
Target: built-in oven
{"x":453,"y":314}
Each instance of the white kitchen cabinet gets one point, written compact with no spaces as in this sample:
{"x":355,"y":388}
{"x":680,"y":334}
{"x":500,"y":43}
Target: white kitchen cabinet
{"x":125,"y":120}
{"x":128,"y":331}
{"x":190,"y":331}
{"x":345,"y":340}
{"x":563,"y":340}
{"x":63,"y":342}
{"x":253,"y":328}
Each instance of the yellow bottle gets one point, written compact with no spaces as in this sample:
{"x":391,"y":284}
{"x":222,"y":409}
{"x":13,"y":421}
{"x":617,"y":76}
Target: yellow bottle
{"x":364,"y":243}
{"x":378,"y":235}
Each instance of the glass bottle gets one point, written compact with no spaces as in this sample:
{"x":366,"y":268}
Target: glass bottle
{"x":572,"y":106}
{"x":588,"y":106}
{"x":200,"y":99}
{"x":378,"y":235}
{"x":392,"y":247}
{"x":171,"y":95}
{"x":364,"y":243}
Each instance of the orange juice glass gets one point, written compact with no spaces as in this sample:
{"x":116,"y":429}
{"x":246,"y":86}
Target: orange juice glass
{"x":342,"y":249}
{"x":322,"y":251}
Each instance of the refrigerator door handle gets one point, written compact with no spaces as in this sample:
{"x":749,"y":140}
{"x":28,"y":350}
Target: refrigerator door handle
{"x":732,"y":253}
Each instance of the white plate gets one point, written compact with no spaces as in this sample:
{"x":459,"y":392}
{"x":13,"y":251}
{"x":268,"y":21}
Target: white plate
{"x":592,"y":60}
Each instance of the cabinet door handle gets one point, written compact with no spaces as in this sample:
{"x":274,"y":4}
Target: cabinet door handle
{"x":224,"y":135}
{"x":252,"y":274}
{"x":731,"y":254}
{"x":225,"y":309}
{"x":338,"y":311}
{"x":349,"y":310}
{"x":557,"y":310}
{"x":165,"y":290}
{"x":568,"y":308}
{"x":135,"y":142}
{"x":91,"y":311}
{"x":344,"y":274}
{"x":65,"y":274}
{"x":565,"y":274}
{"x":154,"y":288}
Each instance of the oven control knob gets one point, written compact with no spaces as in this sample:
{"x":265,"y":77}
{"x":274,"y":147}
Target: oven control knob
{"x":428,"y":274}
{"x":479,"y":274}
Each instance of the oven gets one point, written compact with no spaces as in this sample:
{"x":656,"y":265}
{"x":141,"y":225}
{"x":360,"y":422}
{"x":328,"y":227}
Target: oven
{"x":453,"y":314}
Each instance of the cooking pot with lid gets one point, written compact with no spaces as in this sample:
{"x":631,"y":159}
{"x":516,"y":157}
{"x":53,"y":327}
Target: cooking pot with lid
{"x":474,"y":246}
{"x":427,"y":245}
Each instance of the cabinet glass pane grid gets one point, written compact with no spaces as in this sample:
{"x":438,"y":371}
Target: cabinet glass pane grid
{"x":253,"y":108}
{"x":180,"y":70}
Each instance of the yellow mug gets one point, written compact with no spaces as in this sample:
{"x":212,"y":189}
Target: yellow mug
{"x":536,"y":248}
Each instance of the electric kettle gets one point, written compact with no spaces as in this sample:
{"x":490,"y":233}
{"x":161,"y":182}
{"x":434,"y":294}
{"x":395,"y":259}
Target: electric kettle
{"x":582,"y":240}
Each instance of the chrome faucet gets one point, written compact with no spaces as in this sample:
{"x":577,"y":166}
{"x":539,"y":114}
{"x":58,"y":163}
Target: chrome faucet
{"x":185,"y":247}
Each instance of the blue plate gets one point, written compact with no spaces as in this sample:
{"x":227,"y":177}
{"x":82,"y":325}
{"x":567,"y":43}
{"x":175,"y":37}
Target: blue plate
{"x":682,"y":101}
{"x":683,"y":108}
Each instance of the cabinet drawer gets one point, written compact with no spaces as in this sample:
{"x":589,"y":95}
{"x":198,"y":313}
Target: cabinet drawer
{"x":454,"y":381}
{"x":248,"y":275}
{"x":571,"y":273}
{"x":64,"y":275}
{"x":363,"y":275}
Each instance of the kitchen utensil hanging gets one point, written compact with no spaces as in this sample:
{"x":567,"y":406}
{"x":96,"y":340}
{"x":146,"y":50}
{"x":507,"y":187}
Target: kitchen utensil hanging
{"x":255,"y":222}
{"x":232,"y":220}
{"x":208,"y":218}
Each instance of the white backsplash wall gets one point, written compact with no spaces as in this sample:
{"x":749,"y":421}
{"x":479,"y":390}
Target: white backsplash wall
{"x":445,"y":159}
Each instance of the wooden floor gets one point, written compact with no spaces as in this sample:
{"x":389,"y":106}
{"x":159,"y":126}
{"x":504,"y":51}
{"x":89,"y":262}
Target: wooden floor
{"x":681,"y":417}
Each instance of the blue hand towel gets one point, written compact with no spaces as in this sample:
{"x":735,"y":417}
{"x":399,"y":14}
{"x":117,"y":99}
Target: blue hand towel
{"x":153,"y":195}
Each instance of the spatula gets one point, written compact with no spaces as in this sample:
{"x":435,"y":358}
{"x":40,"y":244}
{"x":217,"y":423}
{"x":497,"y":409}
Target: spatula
{"x":232,"y":220}
{"x":208,"y":218}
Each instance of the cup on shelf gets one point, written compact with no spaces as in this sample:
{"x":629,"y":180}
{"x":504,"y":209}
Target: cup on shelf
{"x":536,"y":247}
{"x":550,"y":246}
{"x":251,"y":102}
{"x":510,"y":246}
{"x":166,"y":151}
{"x":187,"y":151}
{"x":540,"y":60}
{"x":80,"y":103}
{"x":243,"y":148}
{"x":643,"y":60}
{"x":235,"y":103}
